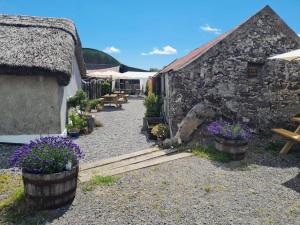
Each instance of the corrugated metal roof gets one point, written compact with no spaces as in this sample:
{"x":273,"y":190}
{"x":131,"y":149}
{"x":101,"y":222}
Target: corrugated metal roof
{"x":181,"y":62}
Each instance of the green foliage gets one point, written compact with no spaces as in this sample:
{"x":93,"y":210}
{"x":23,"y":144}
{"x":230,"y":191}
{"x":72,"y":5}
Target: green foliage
{"x":80,"y":100}
{"x":93,"y":56}
{"x":97,"y":181}
{"x":106,"y":87}
{"x":93,"y":103}
{"x":211,"y":153}
{"x":152,"y":105}
{"x":146,"y":89}
{"x":77,"y":122}
{"x":160,"y":130}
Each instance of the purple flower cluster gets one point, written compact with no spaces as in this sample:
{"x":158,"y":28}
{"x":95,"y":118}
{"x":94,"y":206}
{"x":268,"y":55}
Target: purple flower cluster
{"x":46,"y":155}
{"x":233,"y":131}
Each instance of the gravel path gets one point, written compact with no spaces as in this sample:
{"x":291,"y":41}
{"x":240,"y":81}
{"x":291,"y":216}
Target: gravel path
{"x":120,"y":134}
{"x":265,"y":189}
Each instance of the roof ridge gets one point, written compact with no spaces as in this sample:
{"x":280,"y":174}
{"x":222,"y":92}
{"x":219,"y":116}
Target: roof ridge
{"x":198,"y":52}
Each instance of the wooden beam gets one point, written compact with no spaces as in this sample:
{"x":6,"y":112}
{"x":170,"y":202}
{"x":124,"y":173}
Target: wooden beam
{"x":117,"y":158}
{"x":87,"y":176}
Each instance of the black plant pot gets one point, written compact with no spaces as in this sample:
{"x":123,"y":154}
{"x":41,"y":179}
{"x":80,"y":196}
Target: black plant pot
{"x":74,"y":134}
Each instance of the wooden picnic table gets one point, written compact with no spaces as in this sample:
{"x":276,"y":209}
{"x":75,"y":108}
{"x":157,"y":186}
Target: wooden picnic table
{"x":112,"y":99}
{"x":293,"y":136}
{"x":122,"y":96}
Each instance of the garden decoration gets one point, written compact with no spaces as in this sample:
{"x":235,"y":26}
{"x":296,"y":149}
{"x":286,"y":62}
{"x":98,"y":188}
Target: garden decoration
{"x":49,"y":170}
{"x":229,"y":137}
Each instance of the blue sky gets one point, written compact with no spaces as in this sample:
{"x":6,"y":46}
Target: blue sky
{"x":151,"y":33}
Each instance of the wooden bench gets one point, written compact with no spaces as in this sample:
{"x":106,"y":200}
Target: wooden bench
{"x":293,"y":136}
{"x":112,"y":99}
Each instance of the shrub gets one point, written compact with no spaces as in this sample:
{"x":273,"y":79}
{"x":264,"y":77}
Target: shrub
{"x":47,"y":155}
{"x":160,"y":130}
{"x":106,"y":87}
{"x":152,"y":105}
{"x":233,"y":131}
{"x":93,"y":103}
{"x":80,"y":100}
{"x":77,"y":122}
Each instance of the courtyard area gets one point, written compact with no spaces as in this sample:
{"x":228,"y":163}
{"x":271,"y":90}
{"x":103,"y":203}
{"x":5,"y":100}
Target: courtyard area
{"x":262,"y":189}
{"x":120,"y":134}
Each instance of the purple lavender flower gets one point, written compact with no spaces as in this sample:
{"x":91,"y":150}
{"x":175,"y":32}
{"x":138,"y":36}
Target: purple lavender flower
{"x":225,"y":129}
{"x":46,"y":155}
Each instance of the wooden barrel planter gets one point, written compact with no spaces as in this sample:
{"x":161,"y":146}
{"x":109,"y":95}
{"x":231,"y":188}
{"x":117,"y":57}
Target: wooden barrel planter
{"x":237,"y":148}
{"x":50,"y":191}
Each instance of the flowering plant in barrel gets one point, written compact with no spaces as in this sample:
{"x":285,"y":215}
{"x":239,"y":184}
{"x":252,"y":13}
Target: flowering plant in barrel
{"x":230,"y":137}
{"x":49,"y":170}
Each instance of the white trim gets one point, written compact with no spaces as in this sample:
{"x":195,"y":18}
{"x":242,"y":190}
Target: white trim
{"x":23,"y":139}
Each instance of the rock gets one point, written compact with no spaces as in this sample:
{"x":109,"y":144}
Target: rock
{"x":195,"y":117}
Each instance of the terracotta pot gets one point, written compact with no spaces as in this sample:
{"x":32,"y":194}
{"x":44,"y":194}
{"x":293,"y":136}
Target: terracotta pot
{"x":237,"y":148}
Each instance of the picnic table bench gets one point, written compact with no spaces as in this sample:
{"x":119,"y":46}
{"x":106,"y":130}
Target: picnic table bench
{"x":122,"y":95}
{"x":112,"y":99}
{"x":293,"y":136}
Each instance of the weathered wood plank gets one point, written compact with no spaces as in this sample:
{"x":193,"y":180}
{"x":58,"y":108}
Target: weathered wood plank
{"x":84,"y":177}
{"x":288,"y":134}
{"x":103,"y":162}
{"x":129,"y":161}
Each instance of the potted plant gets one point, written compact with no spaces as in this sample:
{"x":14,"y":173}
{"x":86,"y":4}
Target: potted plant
{"x":79,"y":100}
{"x":160,"y":131}
{"x":95,"y":105}
{"x":76,"y":124}
{"x":230,"y":137}
{"x":152,"y":114}
{"x":49,"y":171}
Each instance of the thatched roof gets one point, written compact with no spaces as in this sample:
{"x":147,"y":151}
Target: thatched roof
{"x":39,"y":46}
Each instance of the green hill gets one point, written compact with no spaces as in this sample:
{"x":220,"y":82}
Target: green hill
{"x":93,"y":56}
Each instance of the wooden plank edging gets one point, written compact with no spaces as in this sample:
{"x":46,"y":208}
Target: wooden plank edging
{"x":103,"y":162}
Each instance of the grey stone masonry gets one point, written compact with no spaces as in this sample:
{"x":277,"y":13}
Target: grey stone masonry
{"x":223,"y":76}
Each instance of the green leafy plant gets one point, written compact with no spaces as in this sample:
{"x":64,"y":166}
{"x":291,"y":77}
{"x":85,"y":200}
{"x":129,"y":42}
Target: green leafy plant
{"x":146,"y":89}
{"x":160,"y":130}
{"x":77,"y":122}
{"x":93,"y":103}
{"x":152,"y":105}
{"x":79,"y":100}
{"x":106,"y":87}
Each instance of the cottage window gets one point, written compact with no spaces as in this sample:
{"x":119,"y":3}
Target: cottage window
{"x":253,"y":69}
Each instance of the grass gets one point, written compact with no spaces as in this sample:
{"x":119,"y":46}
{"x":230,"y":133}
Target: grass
{"x":99,"y":181}
{"x":11,"y":189}
{"x":207,"y":188}
{"x":212,"y":154}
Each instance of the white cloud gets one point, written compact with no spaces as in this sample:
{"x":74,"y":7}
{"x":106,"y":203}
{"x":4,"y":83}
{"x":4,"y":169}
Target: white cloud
{"x":167,"y":50}
{"x":210,"y":29}
{"x":111,"y":50}
{"x":299,"y":35}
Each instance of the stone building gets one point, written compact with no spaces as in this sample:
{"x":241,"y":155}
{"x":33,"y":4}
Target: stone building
{"x":232,"y":77}
{"x":41,"y":65}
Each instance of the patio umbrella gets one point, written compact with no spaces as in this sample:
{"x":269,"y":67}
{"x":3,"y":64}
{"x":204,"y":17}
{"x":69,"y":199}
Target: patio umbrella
{"x":289,"y":56}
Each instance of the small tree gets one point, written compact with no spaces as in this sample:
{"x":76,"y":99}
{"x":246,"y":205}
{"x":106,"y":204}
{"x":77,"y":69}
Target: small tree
{"x":80,"y":100}
{"x":106,"y":87}
{"x":152,"y":105}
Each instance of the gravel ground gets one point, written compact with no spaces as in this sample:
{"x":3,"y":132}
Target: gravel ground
{"x":264,"y":189}
{"x":120,"y":134}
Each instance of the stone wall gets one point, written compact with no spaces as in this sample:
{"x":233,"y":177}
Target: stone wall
{"x":220,"y":78}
